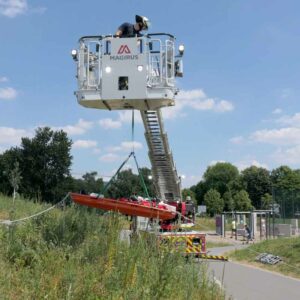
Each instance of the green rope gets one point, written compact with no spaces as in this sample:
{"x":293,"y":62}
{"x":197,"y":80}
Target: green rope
{"x":118,"y":171}
{"x":141,"y":177}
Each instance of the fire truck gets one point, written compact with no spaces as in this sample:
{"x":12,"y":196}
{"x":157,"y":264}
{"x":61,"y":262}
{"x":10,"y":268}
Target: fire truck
{"x":137,"y":73}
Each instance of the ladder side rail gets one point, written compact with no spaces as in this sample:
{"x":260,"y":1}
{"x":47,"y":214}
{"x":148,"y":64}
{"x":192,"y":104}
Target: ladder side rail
{"x":163,"y":167}
{"x":170,"y":156}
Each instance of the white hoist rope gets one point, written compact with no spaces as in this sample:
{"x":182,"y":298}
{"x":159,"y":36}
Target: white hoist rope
{"x":10,"y":222}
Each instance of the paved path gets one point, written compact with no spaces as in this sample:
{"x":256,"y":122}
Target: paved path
{"x":246,"y":282}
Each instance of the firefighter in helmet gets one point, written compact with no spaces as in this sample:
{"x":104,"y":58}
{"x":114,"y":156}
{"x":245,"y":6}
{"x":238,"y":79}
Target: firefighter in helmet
{"x":131,"y":30}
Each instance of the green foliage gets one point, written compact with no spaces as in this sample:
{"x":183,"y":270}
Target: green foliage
{"x":242,"y":201}
{"x":15,"y":178}
{"x":89,"y":183}
{"x":213,"y":202}
{"x":188,"y":192}
{"x":220,"y":176}
{"x":8,"y":159}
{"x":128,"y":184}
{"x":68,"y":228}
{"x":266,"y":201}
{"x":42,"y":261}
{"x":205,"y":223}
{"x":44,"y":162}
{"x":228,"y":201}
{"x":200,"y":190}
{"x":285,"y":178}
{"x":257,"y":182}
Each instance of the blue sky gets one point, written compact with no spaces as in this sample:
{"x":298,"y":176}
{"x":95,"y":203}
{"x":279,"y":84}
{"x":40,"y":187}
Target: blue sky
{"x":239,"y":99}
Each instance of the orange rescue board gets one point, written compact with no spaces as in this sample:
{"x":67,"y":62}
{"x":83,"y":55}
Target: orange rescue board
{"x":124,"y":207}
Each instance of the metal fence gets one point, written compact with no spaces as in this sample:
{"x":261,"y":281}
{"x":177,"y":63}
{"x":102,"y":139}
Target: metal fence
{"x":285,"y":205}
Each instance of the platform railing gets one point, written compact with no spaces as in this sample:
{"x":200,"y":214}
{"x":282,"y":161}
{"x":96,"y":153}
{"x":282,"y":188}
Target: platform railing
{"x":160,"y":61}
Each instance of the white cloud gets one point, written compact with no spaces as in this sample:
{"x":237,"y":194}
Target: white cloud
{"x":11,"y":136}
{"x":242,"y":165}
{"x":109,"y":157}
{"x":190,"y":180}
{"x":125,"y":146}
{"x":8,"y":93}
{"x":80,"y":128}
{"x":84,"y":144}
{"x":287,"y":156}
{"x":130,"y":145}
{"x":214,"y":162}
{"x":3,"y":79}
{"x":293,"y":120}
{"x":96,"y":150}
{"x":277,"y":111}
{"x":223,"y":106}
{"x":237,"y":140}
{"x":197,"y":100}
{"x":283,"y":136}
{"x":13,"y":8}
{"x":108,"y":123}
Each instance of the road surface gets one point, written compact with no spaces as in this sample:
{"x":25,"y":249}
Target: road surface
{"x":245,"y":282}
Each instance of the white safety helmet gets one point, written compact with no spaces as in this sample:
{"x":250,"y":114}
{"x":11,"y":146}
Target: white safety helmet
{"x":144,"y":21}
{"x":188,"y":198}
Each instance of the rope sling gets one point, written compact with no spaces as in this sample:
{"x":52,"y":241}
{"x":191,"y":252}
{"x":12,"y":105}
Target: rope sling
{"x":132,"y":153}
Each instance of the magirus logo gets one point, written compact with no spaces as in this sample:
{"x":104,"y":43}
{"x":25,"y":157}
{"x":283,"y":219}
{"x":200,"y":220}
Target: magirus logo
{"x":124,"y":49}
{"x":124,"y":53}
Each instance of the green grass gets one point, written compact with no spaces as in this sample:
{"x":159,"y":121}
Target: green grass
{"x":77,"y":254}
{"x":287,"y":248}
{"x":205,"y":224}
{"x":211,"y":244}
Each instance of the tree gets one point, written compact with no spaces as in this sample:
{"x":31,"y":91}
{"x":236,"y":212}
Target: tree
{"x":147,"y":177}
{"x":228,"y":201}
{"x":15,"y":179}
{"x":213,"y":201}
{"x":242,"y":201}
{"x":257,"y":182}
{"x":188,"y":192}
{"x":221,"y":177}
{"x":285,"y":178}
{"x":125,"y":185}
{"x":88,"y":183}
{"x":266,"y":201}
{"x":200,"y":189}
{"x":45,"y":164}
{"x":7,"y":160}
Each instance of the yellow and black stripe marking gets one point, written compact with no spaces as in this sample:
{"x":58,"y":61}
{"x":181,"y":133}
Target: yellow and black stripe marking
{"x":213,"y":257}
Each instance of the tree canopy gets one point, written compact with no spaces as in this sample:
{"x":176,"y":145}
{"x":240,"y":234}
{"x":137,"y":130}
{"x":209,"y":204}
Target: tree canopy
{"x":213,"y":202}
{"x":257,"y":183}
{"x":44,"y":161}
